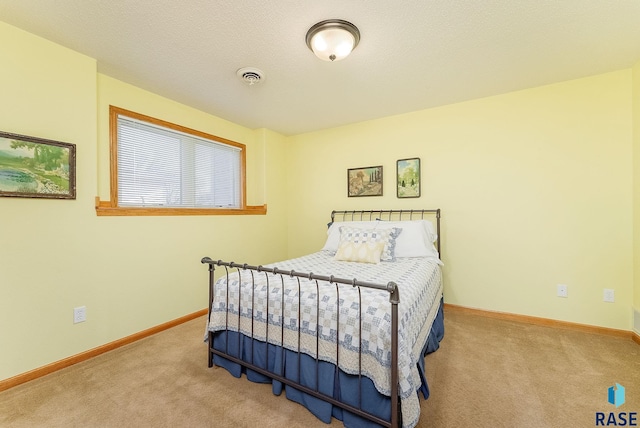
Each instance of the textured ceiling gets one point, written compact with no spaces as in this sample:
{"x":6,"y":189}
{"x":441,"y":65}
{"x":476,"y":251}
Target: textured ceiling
{"x":414,"y":54}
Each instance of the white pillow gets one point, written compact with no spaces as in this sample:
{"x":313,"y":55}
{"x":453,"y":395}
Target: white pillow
{"x":433,"y":236}
{"x":416,"y":240}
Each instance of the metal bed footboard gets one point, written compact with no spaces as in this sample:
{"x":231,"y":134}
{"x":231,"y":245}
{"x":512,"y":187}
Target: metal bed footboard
{"x":394,"y":299}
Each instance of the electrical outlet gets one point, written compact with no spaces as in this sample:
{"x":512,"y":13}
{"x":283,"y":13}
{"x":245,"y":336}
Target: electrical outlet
{"x":562,"y":290}
{"x":79,"y":314}
{"x":609,"y":295}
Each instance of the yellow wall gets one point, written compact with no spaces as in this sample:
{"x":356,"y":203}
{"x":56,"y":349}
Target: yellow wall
{"x":132,"y":273}
{"x":636,"y":193}
{"x":535,"y":188}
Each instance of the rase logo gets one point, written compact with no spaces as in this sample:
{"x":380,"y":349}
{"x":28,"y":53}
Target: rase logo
{"x":616,"y":396}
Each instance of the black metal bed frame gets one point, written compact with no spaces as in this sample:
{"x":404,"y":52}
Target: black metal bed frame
{"x":394,"y":300}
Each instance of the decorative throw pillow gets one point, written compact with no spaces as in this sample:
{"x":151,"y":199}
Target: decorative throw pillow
{"x":333,"y":233}
{"x":361,"y":252}
{"x":386,"y":236}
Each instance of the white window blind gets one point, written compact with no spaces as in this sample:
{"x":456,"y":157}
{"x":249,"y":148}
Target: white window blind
{"x":163,"y":167}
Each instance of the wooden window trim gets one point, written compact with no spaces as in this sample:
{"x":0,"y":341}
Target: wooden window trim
{"x":111,"y":208}
{"x":105,"y":208}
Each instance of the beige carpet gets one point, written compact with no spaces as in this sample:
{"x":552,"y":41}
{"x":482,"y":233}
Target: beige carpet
{"x":487,"y":373}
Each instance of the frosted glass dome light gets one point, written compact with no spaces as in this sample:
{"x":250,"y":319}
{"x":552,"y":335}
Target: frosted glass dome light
{"x":333,"y":39}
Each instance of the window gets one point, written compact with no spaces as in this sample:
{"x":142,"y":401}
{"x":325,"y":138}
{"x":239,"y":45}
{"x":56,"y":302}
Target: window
{"x":161,"y":168}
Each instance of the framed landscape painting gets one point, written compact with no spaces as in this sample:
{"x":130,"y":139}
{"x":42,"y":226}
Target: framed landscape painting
{"x":365,"y":181}
{"x":36,"y":168}
{"x":408,"y":178}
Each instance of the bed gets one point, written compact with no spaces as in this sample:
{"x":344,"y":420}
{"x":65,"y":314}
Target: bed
{"x":349,"y":340}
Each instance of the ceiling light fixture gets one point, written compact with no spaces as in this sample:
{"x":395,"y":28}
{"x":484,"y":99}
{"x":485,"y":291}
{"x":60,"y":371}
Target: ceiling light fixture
{"x":333,"y":39}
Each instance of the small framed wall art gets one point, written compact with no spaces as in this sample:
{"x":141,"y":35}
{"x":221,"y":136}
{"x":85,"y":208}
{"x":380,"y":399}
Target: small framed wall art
{"x":36,"y":168}
{"x":365,"y":181}
{"x":408,"y":178}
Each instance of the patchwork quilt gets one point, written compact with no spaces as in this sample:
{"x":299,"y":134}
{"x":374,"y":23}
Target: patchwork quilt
{"x":358,"y":318}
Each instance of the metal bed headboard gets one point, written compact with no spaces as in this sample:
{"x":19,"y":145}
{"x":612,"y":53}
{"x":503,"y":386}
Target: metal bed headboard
{"x":388,"y":215}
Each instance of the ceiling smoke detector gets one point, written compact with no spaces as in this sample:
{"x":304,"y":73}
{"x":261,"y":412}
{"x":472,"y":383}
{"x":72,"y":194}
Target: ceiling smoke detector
{"x":250,"y":75}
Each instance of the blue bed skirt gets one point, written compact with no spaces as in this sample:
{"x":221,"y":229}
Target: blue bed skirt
{"x":333,"y":382}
